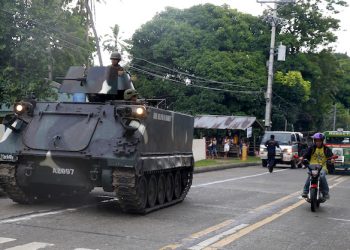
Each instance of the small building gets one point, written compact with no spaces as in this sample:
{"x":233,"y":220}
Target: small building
{"x":237,"y":128}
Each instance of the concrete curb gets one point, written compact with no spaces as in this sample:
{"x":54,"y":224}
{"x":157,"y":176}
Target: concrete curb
{"x":224,"y":166}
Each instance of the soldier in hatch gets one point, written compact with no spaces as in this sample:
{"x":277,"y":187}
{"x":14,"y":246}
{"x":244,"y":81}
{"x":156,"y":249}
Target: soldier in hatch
{"x":131,"y":95}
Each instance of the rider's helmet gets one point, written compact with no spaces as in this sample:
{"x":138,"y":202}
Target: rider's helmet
{"x":318,"y":136}
{"x":116,"y":55}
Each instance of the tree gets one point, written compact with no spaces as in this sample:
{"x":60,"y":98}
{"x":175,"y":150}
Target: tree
{"x":39,"y":40}
{"x":187,"y":55}
{"x":217,"y":50}
{"x":308,"y":24}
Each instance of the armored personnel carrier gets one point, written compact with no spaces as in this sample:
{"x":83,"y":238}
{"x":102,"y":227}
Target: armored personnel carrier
{"x":141,"y":153}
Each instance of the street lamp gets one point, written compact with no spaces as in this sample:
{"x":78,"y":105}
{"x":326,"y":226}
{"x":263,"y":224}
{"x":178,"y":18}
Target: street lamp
{"x":268,"y":94}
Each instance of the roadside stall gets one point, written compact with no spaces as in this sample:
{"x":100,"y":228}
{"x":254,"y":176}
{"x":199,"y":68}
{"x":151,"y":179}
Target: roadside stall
{"x":237,"y":129}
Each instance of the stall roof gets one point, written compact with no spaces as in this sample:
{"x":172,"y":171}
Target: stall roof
{"x":224,"y":122}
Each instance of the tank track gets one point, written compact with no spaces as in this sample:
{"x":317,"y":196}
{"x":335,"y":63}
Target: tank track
{"x":9,"y":185}
{"x":125,"y":183}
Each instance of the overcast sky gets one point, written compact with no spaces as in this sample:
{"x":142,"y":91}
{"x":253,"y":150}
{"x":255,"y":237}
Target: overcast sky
{"x":131,"y":14}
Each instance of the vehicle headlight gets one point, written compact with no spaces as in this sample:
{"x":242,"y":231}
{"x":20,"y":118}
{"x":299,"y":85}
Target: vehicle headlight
{"x":19,"y":108}
{"x":23,"y":107}
{"x":132,"y":111}
{"x":140,"y":111}
{"x":287,"y":150}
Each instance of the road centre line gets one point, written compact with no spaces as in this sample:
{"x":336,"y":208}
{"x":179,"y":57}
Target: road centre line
{"x":224,"y":242}
{"x":234,"y":179}
{"x":200,"y":234}
{"x":217,"y":237}
{"x":212,"y":229}
{"x":253,"y":227}
{"x":285,"y":198}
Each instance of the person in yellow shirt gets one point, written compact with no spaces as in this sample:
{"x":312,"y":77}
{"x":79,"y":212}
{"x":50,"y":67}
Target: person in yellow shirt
{"x":318,"y":153}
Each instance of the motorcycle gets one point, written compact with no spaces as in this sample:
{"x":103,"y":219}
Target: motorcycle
{"x":315,"y":196}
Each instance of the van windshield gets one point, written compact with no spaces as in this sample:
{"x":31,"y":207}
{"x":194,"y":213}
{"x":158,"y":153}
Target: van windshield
{"x":282,"y":138}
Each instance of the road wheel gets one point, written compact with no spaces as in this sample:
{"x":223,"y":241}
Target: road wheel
{"x":152,"y":191}
{"x":264,"y":163}
{"x":313,"y":199}
{"x":177,"y":185}
{"x":169,"y":184}
{"x":161,"y":189}
{"x":142,"y":192}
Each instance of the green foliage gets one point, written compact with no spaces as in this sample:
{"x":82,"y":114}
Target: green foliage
{"x":220,"y":44}
{"x":214,"y":47}
{"x":295,"y":86}
{"x":34,"y":35}
{"x":308,"y":24}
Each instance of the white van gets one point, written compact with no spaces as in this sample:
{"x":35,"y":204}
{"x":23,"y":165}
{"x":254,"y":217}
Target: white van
{"x":288,"y":142}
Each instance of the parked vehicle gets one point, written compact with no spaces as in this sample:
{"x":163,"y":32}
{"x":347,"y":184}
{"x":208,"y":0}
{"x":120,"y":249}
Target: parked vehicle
{"x":339,"y":142}
{"x":289,"y":143}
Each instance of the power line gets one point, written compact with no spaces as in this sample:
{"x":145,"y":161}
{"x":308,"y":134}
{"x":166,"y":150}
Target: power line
{"x":197,"y":81}
{"x":193,"y":76}
{"x":191,"y":84}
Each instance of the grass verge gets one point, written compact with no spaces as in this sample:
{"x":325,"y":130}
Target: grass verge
{"x":221,"y":161}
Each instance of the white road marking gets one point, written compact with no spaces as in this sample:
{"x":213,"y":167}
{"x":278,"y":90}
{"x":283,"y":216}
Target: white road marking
{"x":339,"y":219}
{"x":28,"y":217}
{"x":31,"y":246}
{"x":234,"y":179}
{"x":217,"y":237}
{"x":84,"y":249}
{"x":4,"y":240}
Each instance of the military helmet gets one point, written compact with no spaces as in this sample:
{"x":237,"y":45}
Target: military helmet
{"x":116,"y":55}
{"x":129,"y":93}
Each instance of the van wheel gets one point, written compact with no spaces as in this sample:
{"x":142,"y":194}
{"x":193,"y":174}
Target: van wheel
{"x":264,"y":163}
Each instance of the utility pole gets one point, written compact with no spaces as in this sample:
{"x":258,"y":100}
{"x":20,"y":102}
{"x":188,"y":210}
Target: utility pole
{"x":91,"y":20}
{"x":268,"y":94}
{"x":49,"y":65}
{"x":334,"y":115}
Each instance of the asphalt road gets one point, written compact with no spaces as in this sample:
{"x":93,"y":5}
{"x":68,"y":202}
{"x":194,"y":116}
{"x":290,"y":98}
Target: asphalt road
{"x":240,"y":208}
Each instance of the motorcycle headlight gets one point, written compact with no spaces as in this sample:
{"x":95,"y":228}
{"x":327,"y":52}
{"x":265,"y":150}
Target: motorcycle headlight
{"x":314,"y":172}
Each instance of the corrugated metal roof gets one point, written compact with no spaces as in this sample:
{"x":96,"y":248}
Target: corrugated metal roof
{"x":223,"y":122}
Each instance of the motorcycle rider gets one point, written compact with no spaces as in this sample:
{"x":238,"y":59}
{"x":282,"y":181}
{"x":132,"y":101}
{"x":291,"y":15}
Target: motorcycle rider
{"x":318,"y":153}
